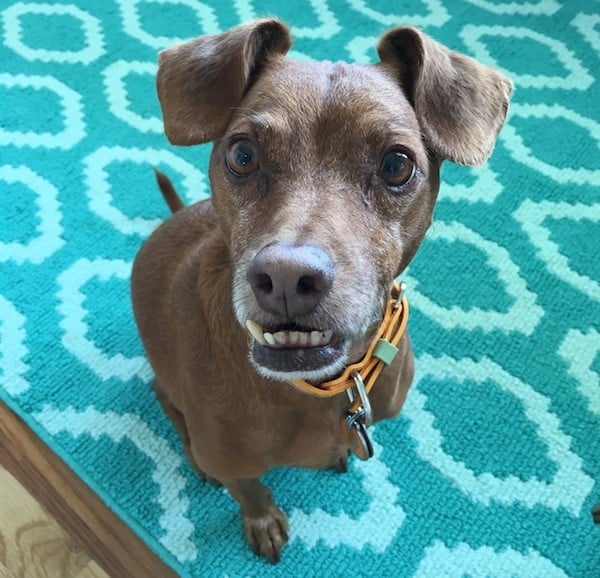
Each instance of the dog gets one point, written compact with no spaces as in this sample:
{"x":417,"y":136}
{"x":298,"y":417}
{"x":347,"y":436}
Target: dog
{"x":259,"y":308}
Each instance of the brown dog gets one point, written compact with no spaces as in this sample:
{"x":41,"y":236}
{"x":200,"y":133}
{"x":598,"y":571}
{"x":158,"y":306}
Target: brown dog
{"x":324,"y":177}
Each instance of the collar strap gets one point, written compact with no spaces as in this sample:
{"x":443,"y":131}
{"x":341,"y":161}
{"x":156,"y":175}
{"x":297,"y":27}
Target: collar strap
{"x":381,"y":351}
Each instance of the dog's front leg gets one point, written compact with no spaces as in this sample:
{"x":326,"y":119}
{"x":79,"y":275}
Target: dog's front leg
{"x":265,"y":525}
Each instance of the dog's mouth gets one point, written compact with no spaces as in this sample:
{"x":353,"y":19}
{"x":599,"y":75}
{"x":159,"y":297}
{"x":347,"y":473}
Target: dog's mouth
{"x":291,"y":350}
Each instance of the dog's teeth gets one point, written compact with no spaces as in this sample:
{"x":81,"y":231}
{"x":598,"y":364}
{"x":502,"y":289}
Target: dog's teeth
{"x":256,"y":331}
{"x":288,"y":338}
{"x":303,"y":338}
{"x":280,"y":337}
{"x":316,"y":338}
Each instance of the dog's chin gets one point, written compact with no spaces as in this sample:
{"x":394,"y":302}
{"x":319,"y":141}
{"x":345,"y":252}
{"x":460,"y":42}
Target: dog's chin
{"x":313,"y":364}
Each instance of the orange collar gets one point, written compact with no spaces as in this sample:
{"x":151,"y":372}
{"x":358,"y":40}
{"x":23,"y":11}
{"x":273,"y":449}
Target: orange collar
{"x":380,"y":353}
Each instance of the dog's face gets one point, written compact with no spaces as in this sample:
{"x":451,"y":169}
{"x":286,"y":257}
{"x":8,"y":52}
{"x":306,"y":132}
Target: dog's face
{"x":322,"y":173}
{"x":324,"y":176}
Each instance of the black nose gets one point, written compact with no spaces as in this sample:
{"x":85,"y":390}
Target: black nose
{"x":290,"y":280}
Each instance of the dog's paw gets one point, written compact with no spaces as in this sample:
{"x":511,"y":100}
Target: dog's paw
{"x":267,"y":534}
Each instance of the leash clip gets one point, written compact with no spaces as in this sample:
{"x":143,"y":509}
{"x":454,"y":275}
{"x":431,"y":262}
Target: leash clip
{"x":356,"y":421}
{"x":364,"y":409}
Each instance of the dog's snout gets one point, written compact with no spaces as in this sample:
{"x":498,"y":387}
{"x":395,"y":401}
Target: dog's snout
{"x":290,"y":280}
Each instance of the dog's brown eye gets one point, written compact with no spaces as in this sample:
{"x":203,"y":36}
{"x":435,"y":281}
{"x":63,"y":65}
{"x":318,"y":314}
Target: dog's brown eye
{"x":397,"y":168}
{"x":242,"y":158}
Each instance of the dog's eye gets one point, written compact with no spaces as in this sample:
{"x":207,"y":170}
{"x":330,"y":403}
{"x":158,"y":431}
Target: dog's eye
{"x":397,"y":168}
{"x":242,"y":158}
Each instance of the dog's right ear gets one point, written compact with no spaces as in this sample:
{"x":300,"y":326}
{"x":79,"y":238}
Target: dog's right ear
{"x":199,"y":82}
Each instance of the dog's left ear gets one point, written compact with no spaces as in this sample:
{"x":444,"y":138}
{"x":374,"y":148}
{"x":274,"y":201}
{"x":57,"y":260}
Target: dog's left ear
{"x":460,"y":104}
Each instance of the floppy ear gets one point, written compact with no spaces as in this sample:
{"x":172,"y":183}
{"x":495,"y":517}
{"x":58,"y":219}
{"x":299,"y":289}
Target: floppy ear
{"x":460,"y":104}
{"x":199,"y":82}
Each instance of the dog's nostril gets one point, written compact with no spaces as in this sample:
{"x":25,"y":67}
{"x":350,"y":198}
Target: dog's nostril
{"x":263,"y":283}
{"x":308,"y":285}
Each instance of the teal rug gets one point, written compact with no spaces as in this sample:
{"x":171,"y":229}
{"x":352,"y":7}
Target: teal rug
{"x":493,"y":467}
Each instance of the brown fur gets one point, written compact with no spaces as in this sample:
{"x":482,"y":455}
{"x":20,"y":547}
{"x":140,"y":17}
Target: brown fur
{"x":320,"y":131}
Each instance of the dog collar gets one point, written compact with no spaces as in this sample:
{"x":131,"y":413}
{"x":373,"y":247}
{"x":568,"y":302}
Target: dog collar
{"x":358,"y":379}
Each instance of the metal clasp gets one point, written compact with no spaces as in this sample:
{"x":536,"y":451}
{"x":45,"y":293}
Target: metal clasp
{"x":356,"y":421}
{"x":364,"y":411}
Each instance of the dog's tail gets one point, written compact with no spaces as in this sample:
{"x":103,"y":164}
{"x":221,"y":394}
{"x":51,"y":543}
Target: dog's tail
{"x":168,"y":191}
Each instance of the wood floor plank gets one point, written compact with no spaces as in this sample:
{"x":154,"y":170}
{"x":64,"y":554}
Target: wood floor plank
{"x":34,"y":544}
{"x":107,"y":539}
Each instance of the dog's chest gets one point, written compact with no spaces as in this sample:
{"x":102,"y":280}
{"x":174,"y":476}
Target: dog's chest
{"x":314,"y":440}
{"x":296,"y":432}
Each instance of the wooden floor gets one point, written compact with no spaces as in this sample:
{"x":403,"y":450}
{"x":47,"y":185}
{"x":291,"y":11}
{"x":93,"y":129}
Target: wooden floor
{"x":44,"y":505}
{"x":33,"y":543}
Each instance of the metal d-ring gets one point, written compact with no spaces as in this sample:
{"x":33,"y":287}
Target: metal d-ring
{"x":365,"y":411}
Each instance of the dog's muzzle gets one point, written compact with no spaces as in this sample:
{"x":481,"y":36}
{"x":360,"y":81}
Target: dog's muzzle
{"x":290,"y":281}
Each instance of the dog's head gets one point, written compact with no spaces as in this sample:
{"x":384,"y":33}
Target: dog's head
{"x":324,"y":175}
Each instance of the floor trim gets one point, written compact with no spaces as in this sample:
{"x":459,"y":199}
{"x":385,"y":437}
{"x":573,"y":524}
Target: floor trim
{"x":107,"y":539}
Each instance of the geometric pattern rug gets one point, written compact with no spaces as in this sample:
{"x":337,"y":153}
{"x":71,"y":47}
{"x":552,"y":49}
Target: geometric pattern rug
{"x":493,"y":466}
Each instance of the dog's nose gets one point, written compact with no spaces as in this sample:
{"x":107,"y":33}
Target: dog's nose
{"x":290,"y":280}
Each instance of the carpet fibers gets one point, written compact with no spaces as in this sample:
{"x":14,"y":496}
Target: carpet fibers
{"x":492,"y":468}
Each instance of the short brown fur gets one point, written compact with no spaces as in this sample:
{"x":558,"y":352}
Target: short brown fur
{"x":318,"y":133}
